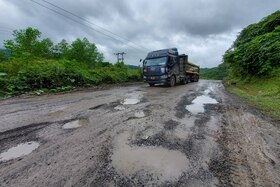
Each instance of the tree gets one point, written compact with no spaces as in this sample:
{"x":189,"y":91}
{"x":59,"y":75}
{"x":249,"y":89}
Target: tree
{"x":26,"y":43}
{"x":255,"y":52}
{"x":2,"y":56}
{"x":61,"y":49}
{"x":85,"y":52}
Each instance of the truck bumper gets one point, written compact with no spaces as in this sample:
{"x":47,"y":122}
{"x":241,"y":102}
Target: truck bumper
{"x":157,"y":81}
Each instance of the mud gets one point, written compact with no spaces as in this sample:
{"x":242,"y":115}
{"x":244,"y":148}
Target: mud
{"x":191,"y":135}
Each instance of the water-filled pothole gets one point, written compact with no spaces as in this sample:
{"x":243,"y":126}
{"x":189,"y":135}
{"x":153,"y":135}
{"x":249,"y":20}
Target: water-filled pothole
{"x":160,"y":163}
{"x":75,"y":124}
{"x":19,"y":150}
{"x":132,"y":98}
{"x":198,"y":103}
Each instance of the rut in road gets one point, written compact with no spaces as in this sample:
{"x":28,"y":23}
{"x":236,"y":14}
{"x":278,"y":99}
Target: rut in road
{"x":191,"y":135}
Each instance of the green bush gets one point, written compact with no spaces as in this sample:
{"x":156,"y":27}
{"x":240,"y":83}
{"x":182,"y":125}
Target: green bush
{"x":59,"y":75}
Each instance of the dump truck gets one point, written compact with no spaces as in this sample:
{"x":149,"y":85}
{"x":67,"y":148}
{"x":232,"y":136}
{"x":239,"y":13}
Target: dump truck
{"x":167,"y":67}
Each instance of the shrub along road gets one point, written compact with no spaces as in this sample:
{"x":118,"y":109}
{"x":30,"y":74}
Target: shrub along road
{"x":191,"y":135}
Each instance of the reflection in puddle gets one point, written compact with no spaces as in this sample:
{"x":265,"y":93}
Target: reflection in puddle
{"x":75,"y":124}
{"x":139,"y":114}
{"x":162,"y":164}
{"x":19,"y":150}
{"x":197,"y":105}
{"x":208,"y":90}
{"x":119,"y":107}
{"x":132,"y":98}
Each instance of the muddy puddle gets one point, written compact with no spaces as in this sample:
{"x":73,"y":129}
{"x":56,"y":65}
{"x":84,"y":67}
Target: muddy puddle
{"x":75,"y":124}
{"x":208,"y":90}
{"x":132,"y":98}
{"x":159,"y":163}
{"x":198,"y":103}
{"x":19,"y":150}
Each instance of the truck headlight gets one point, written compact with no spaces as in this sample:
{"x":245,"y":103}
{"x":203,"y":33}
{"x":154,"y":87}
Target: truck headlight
{"x":144,"y":77}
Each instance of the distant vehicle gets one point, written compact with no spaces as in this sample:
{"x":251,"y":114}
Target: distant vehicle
{"x":167,"y":67}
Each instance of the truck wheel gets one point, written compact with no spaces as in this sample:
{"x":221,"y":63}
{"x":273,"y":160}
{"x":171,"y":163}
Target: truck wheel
{"x":151,"y":84}
{"x":172,"y":81}
{"x":184,"y":81}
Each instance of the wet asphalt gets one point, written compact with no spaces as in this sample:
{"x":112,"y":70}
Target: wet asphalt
{"x":132,"y":135}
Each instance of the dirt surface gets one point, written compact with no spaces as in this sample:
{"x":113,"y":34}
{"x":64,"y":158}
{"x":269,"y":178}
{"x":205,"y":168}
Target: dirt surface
{"x":188,"y":135}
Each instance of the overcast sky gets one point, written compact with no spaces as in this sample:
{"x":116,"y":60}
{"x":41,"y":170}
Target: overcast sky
{"x":203,"y":29}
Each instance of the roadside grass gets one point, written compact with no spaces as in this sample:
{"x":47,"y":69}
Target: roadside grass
{"x":263,"y":93}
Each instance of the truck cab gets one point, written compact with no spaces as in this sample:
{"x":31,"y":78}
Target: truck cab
{"x":165,"y":67}
{"x":161,"y":67}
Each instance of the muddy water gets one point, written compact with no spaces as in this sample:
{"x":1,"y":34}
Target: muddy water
{"x":75,"y":124}
{"x":160,"y":163}
{"x":19,"y":150}
{"x":132,"y":98}
{"x":198,"y":103}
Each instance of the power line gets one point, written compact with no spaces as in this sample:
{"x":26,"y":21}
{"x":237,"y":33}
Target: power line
{"x":57,"y":12}
{"x":102,"y":28}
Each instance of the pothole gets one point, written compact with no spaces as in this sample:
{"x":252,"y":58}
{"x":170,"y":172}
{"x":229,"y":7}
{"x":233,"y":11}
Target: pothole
{"x":198,"y":103}
{"x":160,"y":163}
{"x":75,"y":124}
{"x":19,"y":150}
{"x":132,"y":98}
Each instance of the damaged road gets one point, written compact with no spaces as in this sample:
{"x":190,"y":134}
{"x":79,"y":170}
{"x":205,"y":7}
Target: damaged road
{"x":188,"y":135}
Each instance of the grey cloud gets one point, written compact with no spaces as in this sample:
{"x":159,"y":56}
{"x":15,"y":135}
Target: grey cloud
{"x":203,"y":29}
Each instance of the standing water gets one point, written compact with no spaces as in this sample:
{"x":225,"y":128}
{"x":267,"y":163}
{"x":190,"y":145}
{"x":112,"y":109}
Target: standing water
{"x":198,"y":103}
{"x":19,"y":150}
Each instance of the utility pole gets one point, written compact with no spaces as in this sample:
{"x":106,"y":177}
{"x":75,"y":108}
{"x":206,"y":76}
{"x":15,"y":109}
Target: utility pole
{"x":120,"y":56}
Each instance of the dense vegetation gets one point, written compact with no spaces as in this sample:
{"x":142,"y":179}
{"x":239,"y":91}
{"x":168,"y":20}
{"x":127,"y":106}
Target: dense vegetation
{"x":216,"y":73}
{"x":37,"y":65}
{"x":254,"y":64}
{"x":255,"y":52}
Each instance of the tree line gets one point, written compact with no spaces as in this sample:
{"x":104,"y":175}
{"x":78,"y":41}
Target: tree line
{"x":256,"y":51}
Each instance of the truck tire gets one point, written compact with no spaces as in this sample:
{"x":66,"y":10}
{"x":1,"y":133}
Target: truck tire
{"x":184,"y":81}
{"x":152,"y":84}
{"x":172,"y":81}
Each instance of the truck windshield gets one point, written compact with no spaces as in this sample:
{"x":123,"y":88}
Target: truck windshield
{"x":155,"y":61}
